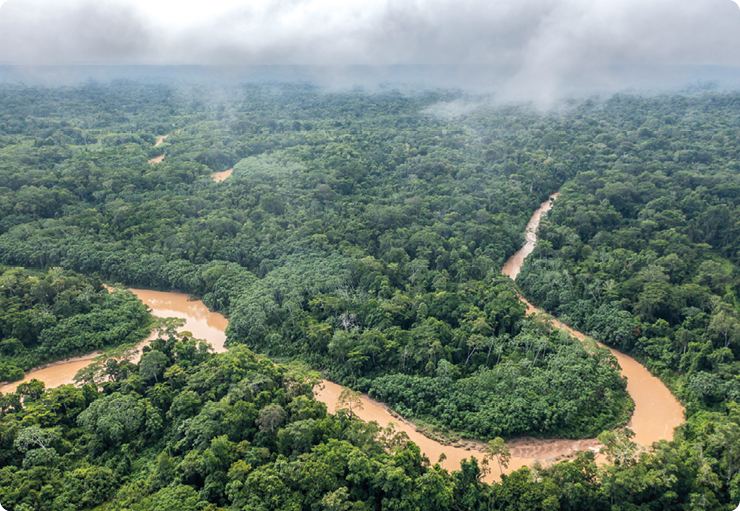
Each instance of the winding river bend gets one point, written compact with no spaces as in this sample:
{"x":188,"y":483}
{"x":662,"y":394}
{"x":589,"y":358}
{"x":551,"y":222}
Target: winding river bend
{"x":216,"y":176}
{"x":656,"y":411}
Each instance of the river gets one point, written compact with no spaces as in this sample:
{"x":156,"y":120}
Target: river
{"x":220,"y":176}
{"x":216,"y":176}
{"x":656,"y":411}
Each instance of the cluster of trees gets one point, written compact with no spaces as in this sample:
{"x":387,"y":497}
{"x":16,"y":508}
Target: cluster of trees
{"x":188,"y":429}
{"x":357,"y":232}
{"x":54,"y":314}
{"x":642,"y":251}
{"x":563,"y":390}
{"x":364,"y":235}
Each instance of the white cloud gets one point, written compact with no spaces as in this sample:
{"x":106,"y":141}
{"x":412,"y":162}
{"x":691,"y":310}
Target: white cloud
{"x":528,"y":45}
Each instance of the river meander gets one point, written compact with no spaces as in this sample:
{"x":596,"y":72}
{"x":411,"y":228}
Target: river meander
{"x":656,"y":413}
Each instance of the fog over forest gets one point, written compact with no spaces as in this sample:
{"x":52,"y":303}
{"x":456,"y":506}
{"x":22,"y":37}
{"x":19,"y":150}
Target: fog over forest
{"x":522,"y":48}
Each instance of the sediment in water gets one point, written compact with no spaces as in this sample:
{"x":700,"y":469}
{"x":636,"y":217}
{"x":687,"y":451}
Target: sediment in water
{"x":656,"y":413}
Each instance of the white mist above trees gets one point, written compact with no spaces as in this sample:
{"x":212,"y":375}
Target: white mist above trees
{"x":526,"y":34}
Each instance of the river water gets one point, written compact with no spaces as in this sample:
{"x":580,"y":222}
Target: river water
{"x":656,"y":411}
{"x":220,"y":176}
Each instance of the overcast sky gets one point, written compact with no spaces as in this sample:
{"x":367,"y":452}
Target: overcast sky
{"x":533,"y":32}
{"x":534,"y":40}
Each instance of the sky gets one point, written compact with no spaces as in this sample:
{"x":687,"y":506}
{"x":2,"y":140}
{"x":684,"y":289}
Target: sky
{"x":530,"y":41}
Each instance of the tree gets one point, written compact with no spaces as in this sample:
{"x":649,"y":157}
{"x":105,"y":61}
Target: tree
{"x":35,"y":437}
{"x":43,"y":454}
{"x":113,"y":418}
{"x":271,"y":416}
{"x":350,"y":400}
{"x":619,"y":447}
{"x":726,"y":436}
{"x":32,"y":390}
{"x":497,"y":448}
{"x":725,"y":325}
{"x":151,"y":364}
{"x":336,"y":501}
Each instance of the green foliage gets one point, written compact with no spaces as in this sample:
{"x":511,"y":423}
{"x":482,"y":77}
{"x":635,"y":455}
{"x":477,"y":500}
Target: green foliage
{"x":546,"y":386}
{"x":50,"y":315}
{"x":363,"y":235}
{"x":641,"y":250}
{"x":204,"y":451}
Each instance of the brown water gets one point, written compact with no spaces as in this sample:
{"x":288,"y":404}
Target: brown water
{"x":220,"y":176}
{"x":53,"y":375}
{"x":515,"y":262}
{"x":199,"y":321}
{"x":656,"y":411}
{"x":159,"y":142}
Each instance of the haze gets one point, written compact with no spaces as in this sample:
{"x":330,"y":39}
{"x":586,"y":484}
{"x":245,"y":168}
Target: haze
{"x":536,"y":44}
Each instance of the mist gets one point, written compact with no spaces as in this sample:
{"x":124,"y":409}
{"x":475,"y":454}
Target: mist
{"x":518,"y":48}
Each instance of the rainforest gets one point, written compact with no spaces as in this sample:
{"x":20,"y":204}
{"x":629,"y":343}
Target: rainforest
{"x":359,"y":236}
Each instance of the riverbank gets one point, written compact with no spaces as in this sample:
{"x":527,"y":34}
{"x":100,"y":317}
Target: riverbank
{"x":656,"y":413}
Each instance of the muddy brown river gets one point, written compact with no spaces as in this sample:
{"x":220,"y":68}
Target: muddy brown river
{"x":656,"y":414}
{"x":161,"y":140}
{"x":220,"y":176}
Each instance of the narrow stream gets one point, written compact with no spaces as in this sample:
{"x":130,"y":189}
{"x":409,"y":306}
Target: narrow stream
{"x":159,"y":142}
{"x":657,"y":412}
{"x":216,"y":176}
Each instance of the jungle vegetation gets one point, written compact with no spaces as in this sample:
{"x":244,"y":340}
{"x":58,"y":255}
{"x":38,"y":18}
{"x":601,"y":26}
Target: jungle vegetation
{"x":50,"y":315}
{"x":359,"y":233}
{"x":363,"y":234}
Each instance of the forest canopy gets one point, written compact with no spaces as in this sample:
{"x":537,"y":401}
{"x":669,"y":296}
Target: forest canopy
{"x":364,"y":235}
{"x":357,"y":233}
{"x":54,"y":314}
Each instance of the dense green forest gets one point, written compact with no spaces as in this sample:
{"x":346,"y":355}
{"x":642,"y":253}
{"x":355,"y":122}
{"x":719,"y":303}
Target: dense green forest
{"x":51,"y":315}
{"x":363,"y":234}
{"x":641,"y":251}
{"x":358,"y":233}
{"x":187,"y":429}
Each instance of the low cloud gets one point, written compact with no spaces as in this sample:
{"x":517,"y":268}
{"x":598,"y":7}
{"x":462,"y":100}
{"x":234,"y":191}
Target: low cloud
{"x":525,"y":46}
